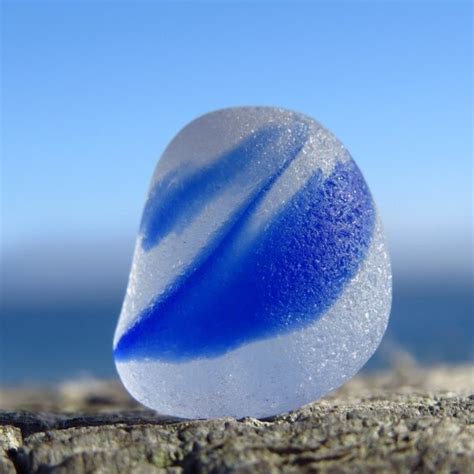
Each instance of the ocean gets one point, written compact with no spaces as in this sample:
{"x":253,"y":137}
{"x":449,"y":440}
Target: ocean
{"x":42,"y":342}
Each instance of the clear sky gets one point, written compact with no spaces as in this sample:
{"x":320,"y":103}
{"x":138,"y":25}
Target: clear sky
{"x":94,"y":91}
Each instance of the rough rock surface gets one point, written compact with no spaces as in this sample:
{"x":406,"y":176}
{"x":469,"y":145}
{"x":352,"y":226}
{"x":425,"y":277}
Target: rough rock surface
{"x":403,"y":421}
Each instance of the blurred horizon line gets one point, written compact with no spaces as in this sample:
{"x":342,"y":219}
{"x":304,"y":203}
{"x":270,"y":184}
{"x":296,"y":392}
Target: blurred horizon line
{"x":100,"y":268}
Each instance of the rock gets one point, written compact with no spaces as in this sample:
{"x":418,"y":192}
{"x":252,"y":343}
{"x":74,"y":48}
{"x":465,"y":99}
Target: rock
{"x":385,"y":423}
{"x":10,"y":442}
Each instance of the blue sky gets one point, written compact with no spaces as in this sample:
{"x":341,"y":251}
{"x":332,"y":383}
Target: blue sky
{"x":94,"y":91}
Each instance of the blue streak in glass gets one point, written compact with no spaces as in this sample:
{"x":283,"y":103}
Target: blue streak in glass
{"x":182,"y":193}
{"x":280,"y":280}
